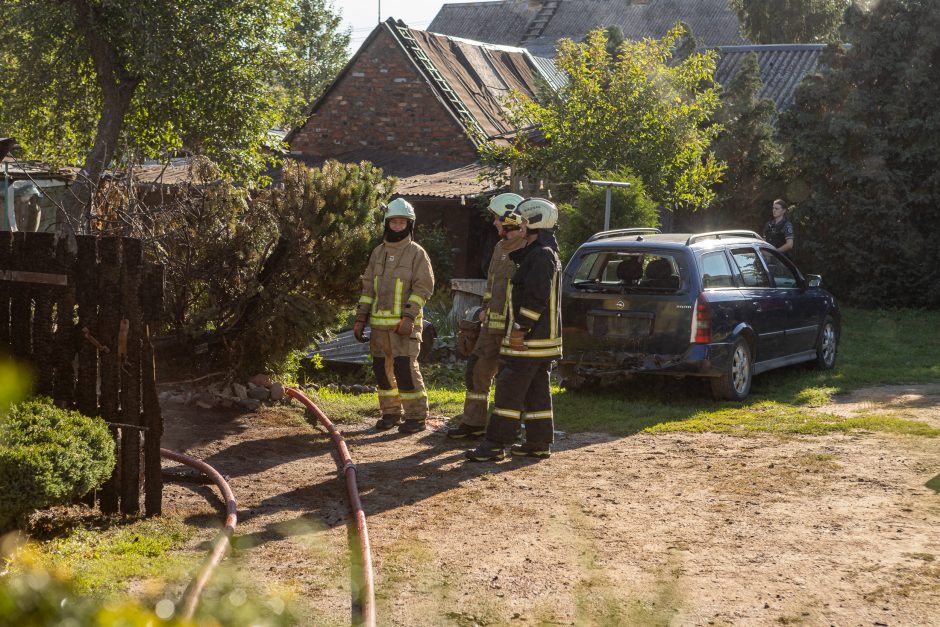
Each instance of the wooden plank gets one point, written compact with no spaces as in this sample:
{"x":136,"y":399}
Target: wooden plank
{"x":66,"y":333}
{"x":21,"y":305}
{"x":129,"y":355}
{"x":6,"y":258}
{"x":40,"y":255}
{"x":86,"y":295}
{"x":109,"y":321}
{"x":44,"y":278}
{"x":153,"y":420}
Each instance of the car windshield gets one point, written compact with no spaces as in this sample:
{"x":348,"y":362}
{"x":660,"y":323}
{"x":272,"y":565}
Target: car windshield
{"x":627,"y":271}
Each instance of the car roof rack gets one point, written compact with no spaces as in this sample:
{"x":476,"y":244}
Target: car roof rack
{"x":719,"y":234}
{"x":647,"y":230}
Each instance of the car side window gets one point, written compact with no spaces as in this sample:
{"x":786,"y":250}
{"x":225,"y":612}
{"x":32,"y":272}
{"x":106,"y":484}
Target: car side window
{"x":751,"y":268}
{"x":782,"y":275}
{"x":716,"y":272}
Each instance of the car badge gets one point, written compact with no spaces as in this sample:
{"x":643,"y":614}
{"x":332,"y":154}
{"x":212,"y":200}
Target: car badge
{"x":620,"y":304}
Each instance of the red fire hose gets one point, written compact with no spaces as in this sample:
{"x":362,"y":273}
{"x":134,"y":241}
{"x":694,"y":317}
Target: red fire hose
{"x":367,"y":584}
{"x":194,"y":590}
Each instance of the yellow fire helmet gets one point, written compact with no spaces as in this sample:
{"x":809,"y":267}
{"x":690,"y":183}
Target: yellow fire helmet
{"x":502,"y":203}
{"x":511,"y":220}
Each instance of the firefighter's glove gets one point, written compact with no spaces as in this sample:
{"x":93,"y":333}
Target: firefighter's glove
{"x":517,"y":338}
{"x":358,"y":328}
{"x":406,"y":326}
{"x":467,"y":337}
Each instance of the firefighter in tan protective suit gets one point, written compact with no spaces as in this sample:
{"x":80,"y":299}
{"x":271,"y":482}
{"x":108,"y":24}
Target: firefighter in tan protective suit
{"x":395,"y":285}
{"x":483,"y":362}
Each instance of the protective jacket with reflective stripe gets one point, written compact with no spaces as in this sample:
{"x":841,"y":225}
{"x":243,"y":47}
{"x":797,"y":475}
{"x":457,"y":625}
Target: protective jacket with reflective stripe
{"x":397,"y":281}
{"x":498,"y":275}
{"x":535,"y":299}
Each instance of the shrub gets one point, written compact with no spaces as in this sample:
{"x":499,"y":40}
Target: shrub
{"x":269,"y":273}
{"x":629,"y":207}
{"x":440,"y":248}
{"x":49,"y":456}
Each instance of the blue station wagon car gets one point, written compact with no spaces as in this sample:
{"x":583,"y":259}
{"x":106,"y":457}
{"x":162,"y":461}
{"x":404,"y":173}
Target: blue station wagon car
{"x":723,"y":305}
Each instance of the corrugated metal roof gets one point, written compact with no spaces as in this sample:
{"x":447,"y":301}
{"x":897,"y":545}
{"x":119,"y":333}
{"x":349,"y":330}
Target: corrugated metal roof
{"x":506,"y":21}
{"x":417,"y":176}
{"x":782,"y":67}
{"x":502,"y":22}
{"x":481,"y":75}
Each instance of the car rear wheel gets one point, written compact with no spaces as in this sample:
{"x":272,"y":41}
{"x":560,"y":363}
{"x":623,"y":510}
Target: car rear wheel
{"x":735,"y":383}
{"x":826,"y":345}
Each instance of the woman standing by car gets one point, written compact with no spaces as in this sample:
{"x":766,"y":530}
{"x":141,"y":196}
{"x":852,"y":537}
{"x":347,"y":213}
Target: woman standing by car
{"x":778,"y":232}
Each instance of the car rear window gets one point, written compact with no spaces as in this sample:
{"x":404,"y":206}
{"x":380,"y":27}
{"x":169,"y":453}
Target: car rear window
{"x":630,"y":271}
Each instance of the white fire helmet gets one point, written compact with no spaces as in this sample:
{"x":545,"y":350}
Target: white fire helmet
{"x":502,"y":203}
{"x":538,"y":213}
{"x":400,"y":208}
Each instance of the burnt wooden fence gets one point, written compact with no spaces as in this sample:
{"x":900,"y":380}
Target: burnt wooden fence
{"x":82,"y":320}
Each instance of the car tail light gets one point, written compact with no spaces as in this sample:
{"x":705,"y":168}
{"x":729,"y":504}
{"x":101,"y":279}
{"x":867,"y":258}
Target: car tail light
{"x":701,"y":321}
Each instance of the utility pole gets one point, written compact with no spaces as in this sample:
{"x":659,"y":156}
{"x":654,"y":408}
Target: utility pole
{"x":609,"y":185}
{"x":380,"y":11}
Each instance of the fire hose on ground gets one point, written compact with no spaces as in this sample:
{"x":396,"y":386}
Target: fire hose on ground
{"x":364,"y":580}
{"x":194,"y":590}
{"x":366,"y":585}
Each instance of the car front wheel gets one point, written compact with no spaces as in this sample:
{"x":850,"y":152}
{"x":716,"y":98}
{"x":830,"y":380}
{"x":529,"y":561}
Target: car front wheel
{"x":826,"y":345}
{"x":735,"y":383}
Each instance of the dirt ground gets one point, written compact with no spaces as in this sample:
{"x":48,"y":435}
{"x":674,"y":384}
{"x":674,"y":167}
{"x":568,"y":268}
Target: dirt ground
{"x":687,"y":529}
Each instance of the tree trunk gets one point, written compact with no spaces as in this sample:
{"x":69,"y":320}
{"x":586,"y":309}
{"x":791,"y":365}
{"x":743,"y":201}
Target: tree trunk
{"x":117,"y":90}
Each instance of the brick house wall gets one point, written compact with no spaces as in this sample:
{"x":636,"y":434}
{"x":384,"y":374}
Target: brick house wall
{"x":382,"y":102}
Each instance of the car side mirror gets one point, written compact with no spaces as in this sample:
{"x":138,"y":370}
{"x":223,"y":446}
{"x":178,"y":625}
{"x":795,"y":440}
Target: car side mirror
{"x":813,"y":280}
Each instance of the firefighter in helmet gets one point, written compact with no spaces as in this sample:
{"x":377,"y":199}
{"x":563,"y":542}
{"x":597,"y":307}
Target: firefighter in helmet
{"x":531,"y":344}
{"x":395,"y":285}
{"x":483,"y":361}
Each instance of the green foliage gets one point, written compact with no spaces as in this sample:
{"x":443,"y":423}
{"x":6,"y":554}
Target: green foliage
{"x":746,"y":143}
{"x":49,"y":456}
{"x":37,"y":596}
{"x":157,"y":76}
{"x":13,"y":385}
{"x":439,"y":245}
{"x":642,"y":109}
{"x":865,"y":159}
{"x":315,"y":51}
{"x":270,"y":273}
{"x":790,"y":21}
{"x":629,"y":207}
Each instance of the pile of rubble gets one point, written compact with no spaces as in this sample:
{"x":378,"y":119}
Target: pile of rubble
{"x":259,"y":390}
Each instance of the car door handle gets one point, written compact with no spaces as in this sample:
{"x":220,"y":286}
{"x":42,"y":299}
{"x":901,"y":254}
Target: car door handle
{"x":756,"y":305}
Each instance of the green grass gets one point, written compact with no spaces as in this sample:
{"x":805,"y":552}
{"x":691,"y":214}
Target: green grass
{"x":104,"y":561}
{"x":876,"y":348}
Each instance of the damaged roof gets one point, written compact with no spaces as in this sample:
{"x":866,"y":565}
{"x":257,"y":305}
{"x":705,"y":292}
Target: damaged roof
{"x":538,"y":25}
{"x":417,"y":176}
{"x":473,"y":77}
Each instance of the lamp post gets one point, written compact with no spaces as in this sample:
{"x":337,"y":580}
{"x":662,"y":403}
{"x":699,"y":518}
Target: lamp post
{"x":609,"y":185}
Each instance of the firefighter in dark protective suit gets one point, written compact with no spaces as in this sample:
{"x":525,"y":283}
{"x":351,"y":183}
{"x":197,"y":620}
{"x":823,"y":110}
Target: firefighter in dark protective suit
{"x":531,"y":345}
{"x":483,"y":361}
